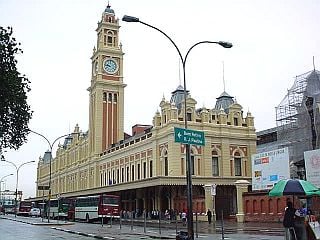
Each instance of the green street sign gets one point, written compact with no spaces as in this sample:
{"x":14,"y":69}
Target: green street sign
{"x":188,"y":136}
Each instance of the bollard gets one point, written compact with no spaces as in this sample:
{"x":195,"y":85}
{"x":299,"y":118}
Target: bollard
{"x":176,"y":219}
{"x":102,"y":220}
{"x":131,"y":221}
{"x":145,"y":222}
{"x":197,"y":225}
{"x":222,"y":227}
{"x":159,"y":215}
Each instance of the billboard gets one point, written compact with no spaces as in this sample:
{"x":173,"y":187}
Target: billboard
{"x":312,"y":164}
{"x":269,"y":167}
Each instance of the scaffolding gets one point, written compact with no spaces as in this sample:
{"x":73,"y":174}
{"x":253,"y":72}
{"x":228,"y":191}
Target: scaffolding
{"x":297,"y":116}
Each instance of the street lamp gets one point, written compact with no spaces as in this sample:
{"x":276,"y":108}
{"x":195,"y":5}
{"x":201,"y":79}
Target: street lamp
{"x":50,"y":146}
{"x":17,"y":179}
{"x":1,"y":180}
{"x":127,"y":18}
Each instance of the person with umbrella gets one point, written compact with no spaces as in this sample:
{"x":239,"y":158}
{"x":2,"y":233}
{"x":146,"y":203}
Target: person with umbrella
{"x":295,"y":187}
{"x":288,"y":221}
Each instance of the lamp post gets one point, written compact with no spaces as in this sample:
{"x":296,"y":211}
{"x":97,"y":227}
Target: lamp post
{"x":50,"y":171}
{"x":17,"y":180}
{"x":1,"y":180}
{"x":127,"y":18}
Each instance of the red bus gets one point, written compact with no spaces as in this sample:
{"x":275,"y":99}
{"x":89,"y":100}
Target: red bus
{"x":97,"y":207}
{"x":24,"y":208}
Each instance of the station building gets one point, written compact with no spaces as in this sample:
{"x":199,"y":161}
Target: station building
{"x":147,"y":168}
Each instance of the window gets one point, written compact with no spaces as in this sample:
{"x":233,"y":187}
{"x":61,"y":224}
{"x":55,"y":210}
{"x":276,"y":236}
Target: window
{"x":127,"y":174}
{"x":109,"y":40}
{"x":189,"y":116}
{"x":235,"y":120}
{"x":144,"y":169}
{"x":110,"y":97}
{"x":122,"y":175}
{"x":138,"y":172}
{"x":132,"y":173}
{"x":166,"y":166}
{"x":215,"y":166}
{"x":115,"y":97}
{"x":192,"y":165}
{"x":237,"y":166}
{"x":118,"y":174}
{"x":150,"y":169}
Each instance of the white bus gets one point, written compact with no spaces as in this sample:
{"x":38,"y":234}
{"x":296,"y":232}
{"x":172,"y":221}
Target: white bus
{"x":90,"y":208}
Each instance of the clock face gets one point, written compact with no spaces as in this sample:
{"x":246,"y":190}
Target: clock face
{"x":110,"y":66}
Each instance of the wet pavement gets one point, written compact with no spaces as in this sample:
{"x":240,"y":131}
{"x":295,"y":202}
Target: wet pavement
{"x":136,"y":230}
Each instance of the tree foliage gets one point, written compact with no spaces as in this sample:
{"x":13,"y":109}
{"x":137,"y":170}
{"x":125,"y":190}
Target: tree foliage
{"x":15,"y":113}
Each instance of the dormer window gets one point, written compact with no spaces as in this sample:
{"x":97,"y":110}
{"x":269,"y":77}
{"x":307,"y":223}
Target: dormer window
{"x":235,"y":120}
{"x":189,"y":115}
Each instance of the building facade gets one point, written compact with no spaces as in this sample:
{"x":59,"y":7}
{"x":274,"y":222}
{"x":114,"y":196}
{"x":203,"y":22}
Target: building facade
{"x":298,"y":125}
{"x":147,"y":168}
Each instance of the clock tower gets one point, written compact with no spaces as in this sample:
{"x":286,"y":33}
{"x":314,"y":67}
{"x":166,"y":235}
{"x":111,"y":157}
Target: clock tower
{"x":106,"y":108}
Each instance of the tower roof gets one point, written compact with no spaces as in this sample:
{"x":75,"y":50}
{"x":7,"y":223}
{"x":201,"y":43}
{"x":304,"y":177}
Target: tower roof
{"x":224,"y":101}
{"x":177,"y":97}
{"x":109,"y":9}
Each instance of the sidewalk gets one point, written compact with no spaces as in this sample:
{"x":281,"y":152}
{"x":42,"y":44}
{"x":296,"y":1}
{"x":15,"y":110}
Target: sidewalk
{"x":233,"y":230}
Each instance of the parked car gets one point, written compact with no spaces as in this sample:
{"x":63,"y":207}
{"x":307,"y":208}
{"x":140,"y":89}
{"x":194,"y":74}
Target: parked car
{"x":35,"y":212}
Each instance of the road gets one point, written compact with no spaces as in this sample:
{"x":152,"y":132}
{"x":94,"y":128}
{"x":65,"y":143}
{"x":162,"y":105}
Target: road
{"x":33,"y":228}
{"x":10,"y":230}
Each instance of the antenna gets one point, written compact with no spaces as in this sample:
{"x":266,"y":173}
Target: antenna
{"x":179,"y":73}
{"x":224,"y":83}
{"x":314,"y":67}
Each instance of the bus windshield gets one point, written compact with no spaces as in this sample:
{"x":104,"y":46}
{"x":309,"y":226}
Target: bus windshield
{"x":107,"y":200}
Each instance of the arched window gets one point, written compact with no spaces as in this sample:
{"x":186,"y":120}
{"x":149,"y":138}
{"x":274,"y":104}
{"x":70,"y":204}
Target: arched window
{"x":215,"y":163}
{"x":255,"y":206}
{"x":115,"y":97}
{"x":164,"y":157}
{"x":247,"y":207}
{"x":104,"y":97}
{"x":110,"y":97}
{"x":192,"y":162}
{"x":270,"y":208}
{"x":262,"y":208}
{"x":237,"y":164}
{"x":110,"y":38}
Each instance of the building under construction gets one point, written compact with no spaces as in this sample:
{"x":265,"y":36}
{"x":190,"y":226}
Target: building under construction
{"x":298,"y":122}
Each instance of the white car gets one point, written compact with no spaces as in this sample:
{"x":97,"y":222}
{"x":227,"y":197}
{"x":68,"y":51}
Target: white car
{"x":35,"y":212}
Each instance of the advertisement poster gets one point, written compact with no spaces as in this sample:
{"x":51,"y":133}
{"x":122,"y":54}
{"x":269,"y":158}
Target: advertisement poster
{"x":312,"y":164}
{"x":269,"y":167}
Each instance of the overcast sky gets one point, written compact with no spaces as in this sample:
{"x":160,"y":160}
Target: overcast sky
{"x":274,"y":40}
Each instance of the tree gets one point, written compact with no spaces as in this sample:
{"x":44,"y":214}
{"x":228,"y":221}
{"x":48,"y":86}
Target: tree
{"x":15,"y":113}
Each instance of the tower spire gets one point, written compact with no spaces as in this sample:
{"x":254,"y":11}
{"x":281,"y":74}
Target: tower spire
{"x":314,"y":67}
{"x":224,"y":83}
{"x":179,"y":73}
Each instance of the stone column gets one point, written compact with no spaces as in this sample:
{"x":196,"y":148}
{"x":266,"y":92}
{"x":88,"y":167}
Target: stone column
{"x":242,"y":186}
{"x":210,"y":200}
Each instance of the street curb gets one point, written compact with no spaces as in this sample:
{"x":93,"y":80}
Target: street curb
{"x":38,"y":224}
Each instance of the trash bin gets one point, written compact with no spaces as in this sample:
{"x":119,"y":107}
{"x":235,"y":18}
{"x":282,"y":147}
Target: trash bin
{"x":182,"y":235}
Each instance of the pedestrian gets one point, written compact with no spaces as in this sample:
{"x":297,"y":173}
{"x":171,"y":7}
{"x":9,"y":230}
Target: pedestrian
{"x":184,"y":217}
{"x":209,"y":215}
{"x":288,"y":221}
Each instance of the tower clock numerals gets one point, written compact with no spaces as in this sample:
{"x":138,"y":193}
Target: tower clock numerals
{"x":110,"y":66}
